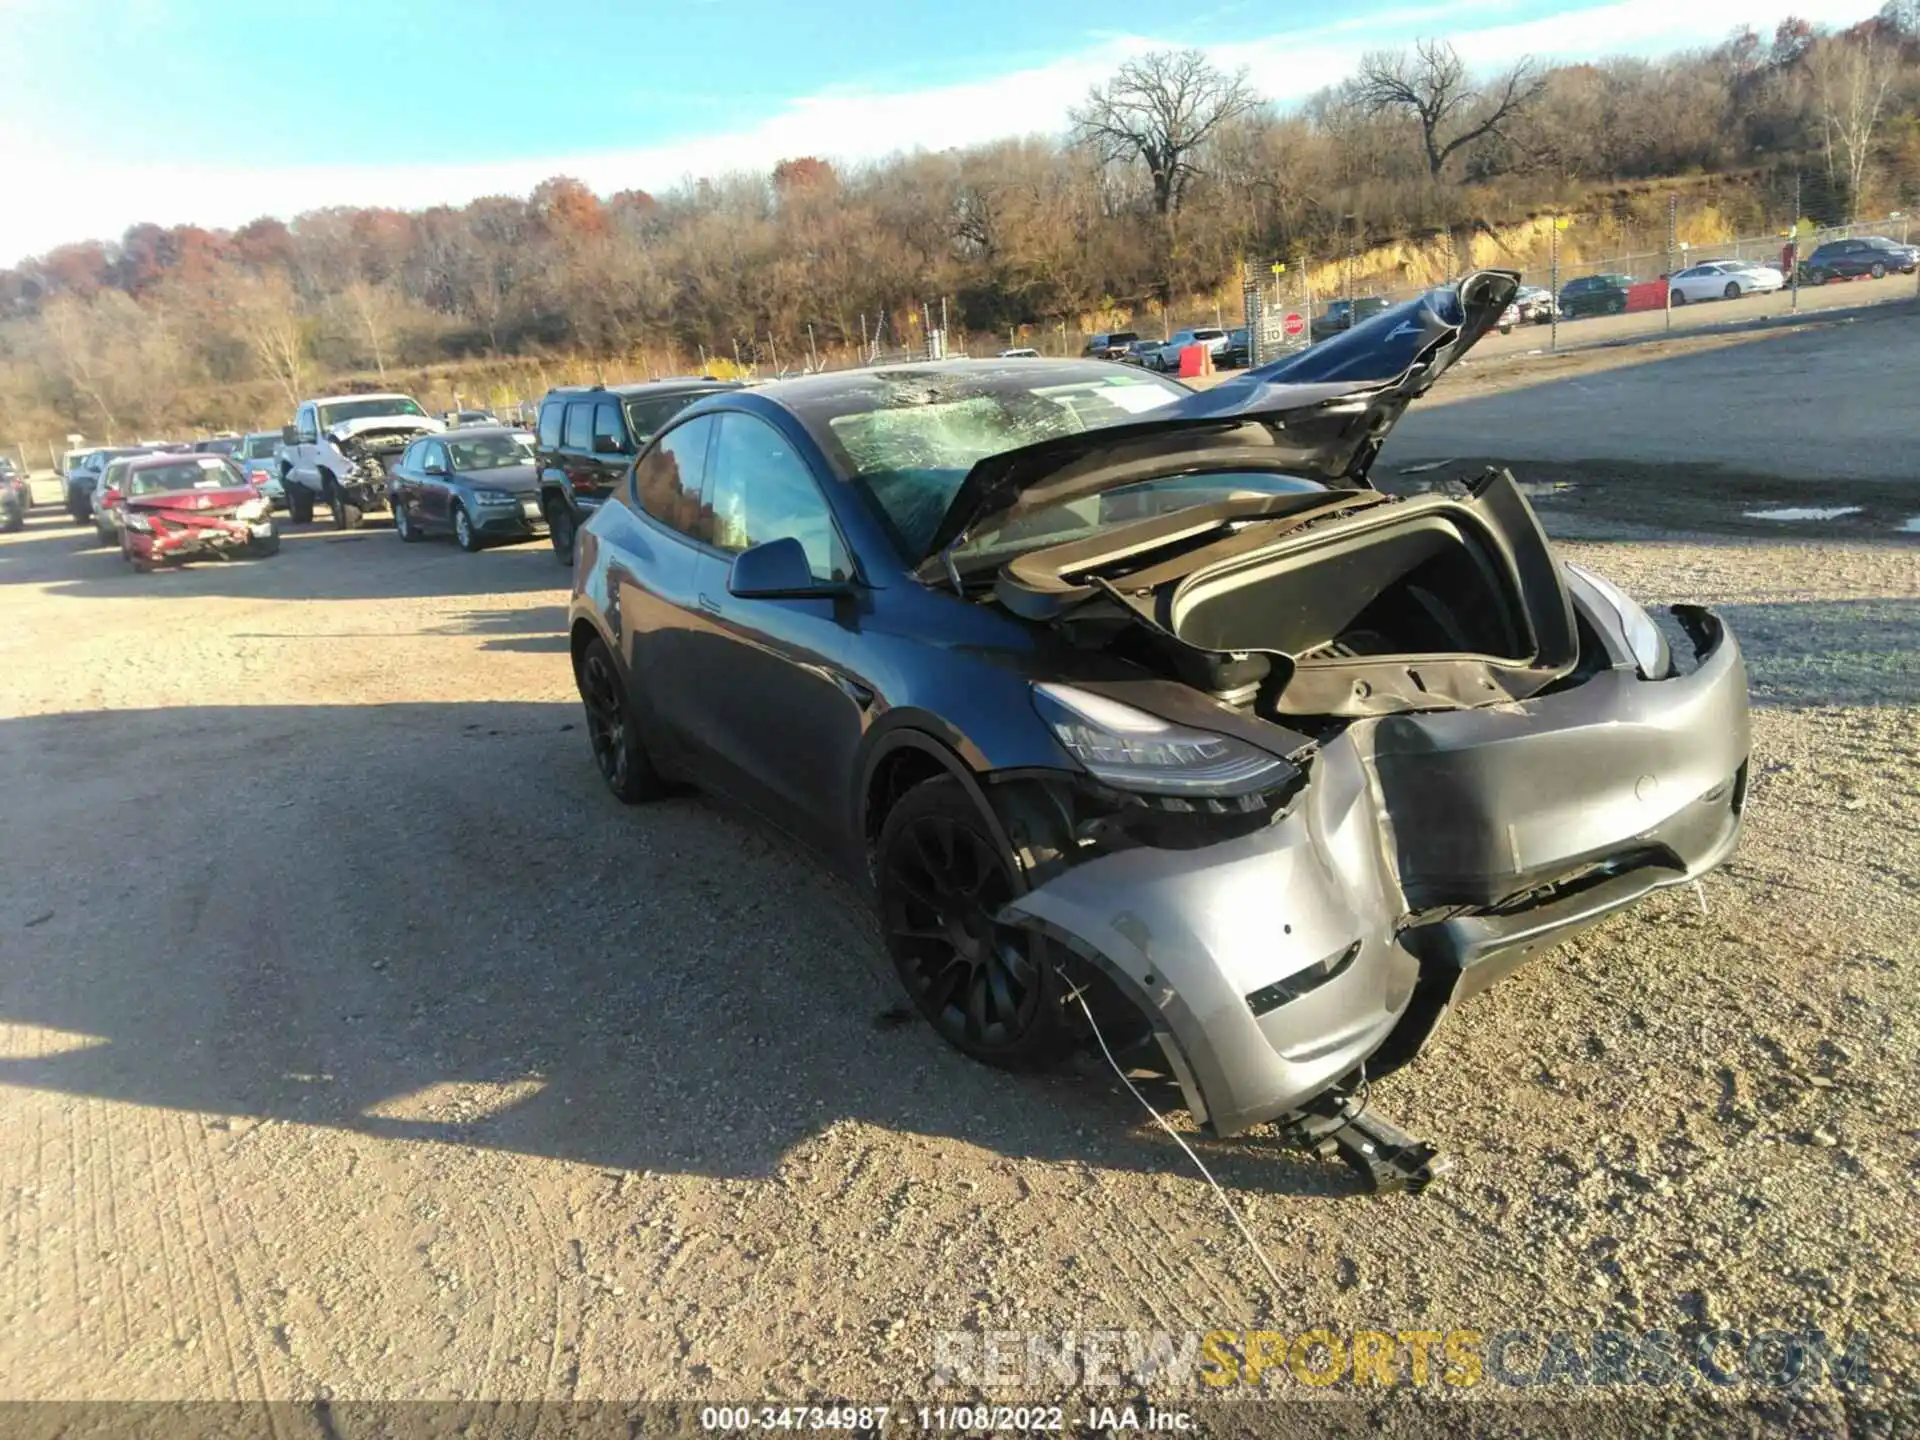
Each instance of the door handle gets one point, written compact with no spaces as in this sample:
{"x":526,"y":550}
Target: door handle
{"x":711,"y":606}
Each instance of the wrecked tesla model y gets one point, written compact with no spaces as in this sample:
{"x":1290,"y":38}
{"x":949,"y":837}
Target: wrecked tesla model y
{"x":1142,"y":709}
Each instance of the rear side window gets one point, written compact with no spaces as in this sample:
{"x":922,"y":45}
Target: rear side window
{"x":667,"y":481}
{"x":579,"y":425}
{"x":607,"y":424}
{"x":550,"y":416}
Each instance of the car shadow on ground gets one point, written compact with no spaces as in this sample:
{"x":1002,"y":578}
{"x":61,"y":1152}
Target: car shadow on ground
{"x":430,"y":922}
{"x":536,"y":629}
{"x":315,"y":562}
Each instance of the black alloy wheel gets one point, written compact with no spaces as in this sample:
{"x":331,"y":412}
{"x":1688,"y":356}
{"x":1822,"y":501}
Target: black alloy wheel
{"x":990,"y":991}
{"x":617,"y":749}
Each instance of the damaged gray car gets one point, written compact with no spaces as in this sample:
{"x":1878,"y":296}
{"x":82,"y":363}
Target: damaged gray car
{"x":1146,"y":718}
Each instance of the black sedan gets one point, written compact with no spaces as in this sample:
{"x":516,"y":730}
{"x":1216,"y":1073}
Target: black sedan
{"x":479,"y":484}
{"x":1143,"y":715}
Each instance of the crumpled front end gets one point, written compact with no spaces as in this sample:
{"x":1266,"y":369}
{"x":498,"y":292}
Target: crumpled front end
{"x":1427,"y":855}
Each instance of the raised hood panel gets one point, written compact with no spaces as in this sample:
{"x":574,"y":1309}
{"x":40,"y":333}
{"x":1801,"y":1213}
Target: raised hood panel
{"x":385,"y":425}
{"x":1322,"y":412}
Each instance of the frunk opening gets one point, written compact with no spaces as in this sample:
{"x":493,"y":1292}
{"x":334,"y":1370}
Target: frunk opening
{"x":1422,"y":586}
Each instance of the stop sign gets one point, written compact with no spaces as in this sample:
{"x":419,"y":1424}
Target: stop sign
{"x":1293,"y":324}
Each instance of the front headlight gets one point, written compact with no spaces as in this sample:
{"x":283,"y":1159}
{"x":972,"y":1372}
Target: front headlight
{"x":1131,"y":750}
{"x":136,"y":521}
{"x":494,"y":497}
{"x":1644,"y":639}
{"x":255,"y":509}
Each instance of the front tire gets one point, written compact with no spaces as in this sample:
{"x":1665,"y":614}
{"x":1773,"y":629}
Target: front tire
{"x":1732,"y":291}
{"x":299,"y":501}
{"x":992,"y":993}
{"x":345,"y":515}
{"x":1879,"y":271}
{"x":561,"y":530}
{"x":1679,"y":297}
{"x":611,"y":727}
{"x":464,"y":531}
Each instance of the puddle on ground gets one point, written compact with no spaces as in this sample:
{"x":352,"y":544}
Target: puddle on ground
{"x":1803,"y":512}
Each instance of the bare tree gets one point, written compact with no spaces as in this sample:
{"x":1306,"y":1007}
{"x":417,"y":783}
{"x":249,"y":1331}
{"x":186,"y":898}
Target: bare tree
{"x":1433,"y":85}
{"x":371,"y":312}
{"x":1852,"y":77}
{"x":269,"y":315}
{"x":1160,"y":110}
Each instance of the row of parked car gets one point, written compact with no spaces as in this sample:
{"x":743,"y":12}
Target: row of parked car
{"x":1869,"y":256}
{"x":468,"y":475}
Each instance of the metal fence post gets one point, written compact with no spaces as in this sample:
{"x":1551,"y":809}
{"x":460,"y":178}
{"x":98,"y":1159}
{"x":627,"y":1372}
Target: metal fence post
{"x":1553,"y":284}
{"x":1673,"y":234}
{"x":1793,"y":303}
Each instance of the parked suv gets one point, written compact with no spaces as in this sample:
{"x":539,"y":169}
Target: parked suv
{"x":1872,"y":255}
{"x":1595,"y":295}
{"x":1112,"y":344}
{"x":588,"y":436}
{"x":1343,"y":315}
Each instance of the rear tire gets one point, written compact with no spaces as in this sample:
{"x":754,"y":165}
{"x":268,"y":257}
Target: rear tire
{"x":611,"y":727}
{"x":12,"y":520}
{"x":403,"y":525}
{"x":1879,"y":271}
{"x":1679,"y":297}
{"x":561,"y":530}
{"x":1732,"y":292}
{"x":992,"y":993}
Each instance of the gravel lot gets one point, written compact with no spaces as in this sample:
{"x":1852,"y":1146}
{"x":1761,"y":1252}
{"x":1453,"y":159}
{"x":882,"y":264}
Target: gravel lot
{"x":357,"y":1046}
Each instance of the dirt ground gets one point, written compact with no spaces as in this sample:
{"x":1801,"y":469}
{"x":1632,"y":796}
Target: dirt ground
{"x":356,"y":1046}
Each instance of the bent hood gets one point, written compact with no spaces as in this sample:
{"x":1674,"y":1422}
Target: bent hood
{"x":224,"y":498}
{"x":1322,"y":412}
{"x":385,"y":425}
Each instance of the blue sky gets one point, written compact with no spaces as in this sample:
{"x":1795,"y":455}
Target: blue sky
{"x":113,"y":111}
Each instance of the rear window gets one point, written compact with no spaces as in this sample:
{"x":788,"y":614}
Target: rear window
{"x":579,"y":434}
{"x":647,"y":415}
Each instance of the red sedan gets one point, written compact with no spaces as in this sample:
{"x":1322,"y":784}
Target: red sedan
{"x":186,"y":507}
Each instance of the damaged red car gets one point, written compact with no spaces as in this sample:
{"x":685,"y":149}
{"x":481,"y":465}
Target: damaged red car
{"x":192,"y":507}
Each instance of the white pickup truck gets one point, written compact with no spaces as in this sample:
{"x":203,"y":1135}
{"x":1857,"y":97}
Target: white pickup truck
{"x":338,"y":450}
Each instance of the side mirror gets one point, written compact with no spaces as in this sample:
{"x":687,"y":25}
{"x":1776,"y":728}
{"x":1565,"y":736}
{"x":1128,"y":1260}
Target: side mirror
{"x":607,"y":445}
{"x":778,"y":570}
{"x":289,"y":435}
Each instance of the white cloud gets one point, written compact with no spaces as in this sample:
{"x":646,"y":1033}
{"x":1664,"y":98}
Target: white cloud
{"x":76,"y":198}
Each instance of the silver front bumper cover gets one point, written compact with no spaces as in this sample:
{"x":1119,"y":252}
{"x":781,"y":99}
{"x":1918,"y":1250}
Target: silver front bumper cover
{"x":1428,"y":855}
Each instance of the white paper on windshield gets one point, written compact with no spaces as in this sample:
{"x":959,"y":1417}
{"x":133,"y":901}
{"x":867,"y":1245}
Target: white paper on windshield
{"x":1135,"y":399}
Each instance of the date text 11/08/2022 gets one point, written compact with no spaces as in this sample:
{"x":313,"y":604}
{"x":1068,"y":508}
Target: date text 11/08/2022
{"x":971,"y":1419}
